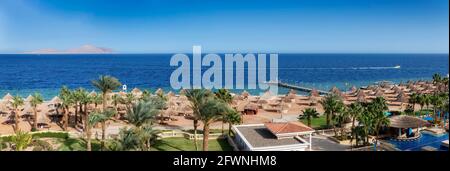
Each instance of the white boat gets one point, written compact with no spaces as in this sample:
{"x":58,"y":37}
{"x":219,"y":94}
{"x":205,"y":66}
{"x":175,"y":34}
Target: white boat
{"x":397,"y":67}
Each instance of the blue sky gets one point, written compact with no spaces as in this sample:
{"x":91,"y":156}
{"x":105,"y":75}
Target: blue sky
{"x":158,"y":26}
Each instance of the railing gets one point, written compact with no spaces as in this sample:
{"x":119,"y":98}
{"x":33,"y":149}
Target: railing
{"x":173,"y":133}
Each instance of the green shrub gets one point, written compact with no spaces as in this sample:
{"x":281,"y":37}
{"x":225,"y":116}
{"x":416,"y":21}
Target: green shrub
{"x":63,"y":135}
{"x":40,"y":145}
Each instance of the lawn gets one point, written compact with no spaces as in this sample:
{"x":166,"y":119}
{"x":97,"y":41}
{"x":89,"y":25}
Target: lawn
{"x":183,"y":144}
{"x":317,"y":123}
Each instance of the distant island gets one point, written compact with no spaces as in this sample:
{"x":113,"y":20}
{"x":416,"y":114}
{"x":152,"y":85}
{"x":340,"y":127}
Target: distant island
{"x":85,"y":49}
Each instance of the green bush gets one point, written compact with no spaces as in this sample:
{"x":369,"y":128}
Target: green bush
{"x":40,"y":145}
{"x":63,"y":135}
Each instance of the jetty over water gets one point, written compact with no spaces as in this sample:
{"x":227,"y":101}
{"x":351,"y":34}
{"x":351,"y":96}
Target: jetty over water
{"x":296,"y":87}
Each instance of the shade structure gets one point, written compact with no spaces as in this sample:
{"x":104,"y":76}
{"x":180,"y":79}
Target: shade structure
{"x":29,"y":98}
{"x":159,"y":92}
{"x":402,"y":98}
{"x":56,"y":100}
{"x":379,"y":93}
{"x":245,"y":94}
{"x":136,"y":91}
{"x":361,"y":97}
{"x":336,"y":91}
{"x":92,"y":93}
{"x":405,"y":121}
{"x":251,"y":106}
{"x":314,"y":92}
{"x":353,"y":89}
{"x":7,"y":97}
{"x":266,"y":96}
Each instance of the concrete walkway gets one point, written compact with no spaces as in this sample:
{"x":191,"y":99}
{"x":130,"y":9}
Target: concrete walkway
{"x":322,"y":143}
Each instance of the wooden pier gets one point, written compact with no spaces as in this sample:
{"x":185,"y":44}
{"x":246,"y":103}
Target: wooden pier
{"x":298,"y":88}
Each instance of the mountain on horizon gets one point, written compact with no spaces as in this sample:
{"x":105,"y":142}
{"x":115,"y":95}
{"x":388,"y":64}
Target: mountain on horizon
{"x":85,"y":49}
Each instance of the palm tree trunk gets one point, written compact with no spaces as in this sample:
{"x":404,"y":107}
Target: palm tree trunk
{"x":195,"y":134}
{"x":205,"y":136}
{"x":309,"y":121}
{"x":16,"y":120}
{"x":353,"y":131}
{"x":66,"y":118}
{"x":103,"y":123}
{"x":103,"y":133}
{"x":76,"y":114}
{"x":35,"y":118}
{"x":229,"y":128}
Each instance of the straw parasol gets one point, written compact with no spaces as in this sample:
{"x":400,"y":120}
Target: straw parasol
{"x":136,"y":91}
{"x":7,"y":97}
{"x":159,"y":92}
{"x":245,"y":94}
{"x":29,"y":98}
{"x":402,"y":98}
{"x":267,"y":95}
{"x":405,"y":121}
{"x":353,"y":89}
{"x":314,"y":93}
{"x":379,"y":93}
{"x":92,"y":93}
{"x":335,"y":91}
{"x":361,"y":97}
{"x":56,"y":100}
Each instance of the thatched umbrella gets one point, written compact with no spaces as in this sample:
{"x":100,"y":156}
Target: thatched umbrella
{"x":92,"y":94}
{"x":122,"y":94}
{"x":136,"y":92}
{"x":267,"y":95}
{"x":159,"y":92}
{"x":353,"y":89}
{"x":56,"y":100}
{"x":314,"y":93}
{"x":379,"y":93}
{"x":361,"y":97}
{"x":245,"y":94}
{"x":335,"y":91}
{"x":250,"y":107}
{"x":29,"y":98}
{"x":291,"y":95}
{"x":405,"y":121}
{"x":7,"y":97}
{"x":170,"y":94}
{"x":402,"y":98}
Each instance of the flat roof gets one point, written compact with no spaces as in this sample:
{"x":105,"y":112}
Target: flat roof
{"x":260,"y":136}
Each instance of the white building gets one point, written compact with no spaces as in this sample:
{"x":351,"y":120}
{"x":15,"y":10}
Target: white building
{"x":286,"y":136}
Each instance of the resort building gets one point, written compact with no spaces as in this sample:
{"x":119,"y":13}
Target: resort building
{"x":274,"y":136}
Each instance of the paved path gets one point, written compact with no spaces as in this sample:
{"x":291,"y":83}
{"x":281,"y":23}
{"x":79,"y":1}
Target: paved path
{"x":322,"y":143}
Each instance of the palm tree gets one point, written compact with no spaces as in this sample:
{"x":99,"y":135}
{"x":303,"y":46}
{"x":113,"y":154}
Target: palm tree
{"x":436,"y":100}
{"x":437,"y":78}
{"x":332,"y":104}
{"x":97,"y":99}
{"x":226,"y":97}
{"x":197,"y":98}
{"x":413,"y":99}
{"x":21,"y":140}
{"x":129,"y":99}
{"x":16,"y":103}
{"x":35,"y":101}
{"x":308,"y":114}
{"x":76,"y":102}
{"x":95,"y":118}
{"x":421,"y":99}
{"x":67,"y":100}
{"x":145,"y":94}
{"x":211,"y":110}
{"x":377,"y":109}
{"x":355,"y":110}
{"x":340,"y":119}
{"x":231,"y":118}
{"x":142,"y":116}
{"x":116,"y":100}
{"x":85,"y":100}
{"x":106,"y":84}
{"x":142,"y":113}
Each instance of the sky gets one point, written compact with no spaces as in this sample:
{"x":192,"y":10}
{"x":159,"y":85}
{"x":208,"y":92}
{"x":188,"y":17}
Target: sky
{"x":282,"y":26}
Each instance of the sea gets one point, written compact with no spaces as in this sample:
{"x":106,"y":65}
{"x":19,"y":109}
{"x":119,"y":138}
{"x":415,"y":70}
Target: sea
{"x":24,"y":74}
